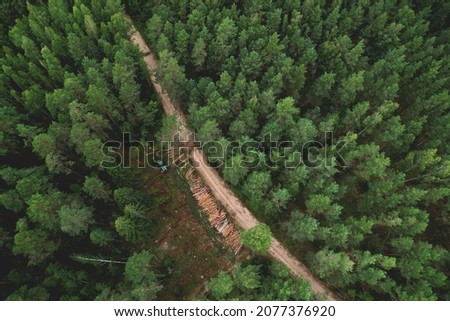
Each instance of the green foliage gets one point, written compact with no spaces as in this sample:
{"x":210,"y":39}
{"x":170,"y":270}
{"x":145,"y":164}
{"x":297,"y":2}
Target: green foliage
{"x":12,"y":201}
{"x":171,"y":75}
{"x":124,"y":79}
{"x":96,"y":188}
{"x":126,"y":228}
{"x":258,"y":238}
{"x":199,"y":53}
{"x":143,"y":280}
{"x":126,"y":195}
{"x":36,"y":182}
{"x":221,"y":285}
{"x":37,"y":293}
{"x":136,"y":270}
{"x":374,"y":74}
{"x":280,"y":198}
{"x":209,"y":131}
{"x":257,"y":185}
{"x":101,"y":237}
{"x":75,"y":218}
{"x":71,"y":281}
{"x":286,"y":288}
{"x":265,"y":281}
{"x":9,"y":118}
{"x":235,"y":171}
{"x":328,"y":264}
{"x":35,"y":244}
{"x":44,"y":209}
{"x":302,"y":227}
{"x":92,"y":151}
{"x":134,"y":224}
{"x":248,"y":278}
{"x":71,"y":80}
{"x":318,"y":203}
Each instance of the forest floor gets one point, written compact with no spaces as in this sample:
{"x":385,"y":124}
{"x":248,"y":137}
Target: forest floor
{"x":187,"y":254}
{"x":218,"y":187}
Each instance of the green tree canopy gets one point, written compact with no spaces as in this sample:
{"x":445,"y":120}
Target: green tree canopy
{"x":221,"y":285}
{"x":257,"y":238}
{"x":75,"y":218}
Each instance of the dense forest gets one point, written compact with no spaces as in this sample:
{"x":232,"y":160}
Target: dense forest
{"x":370,"y":217}
{"x":69,"y":228}
{"x":71,"y":80}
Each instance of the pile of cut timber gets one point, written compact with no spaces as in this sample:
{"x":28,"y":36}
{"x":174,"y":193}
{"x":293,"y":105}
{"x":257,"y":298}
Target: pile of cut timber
{"x":216,"y":216}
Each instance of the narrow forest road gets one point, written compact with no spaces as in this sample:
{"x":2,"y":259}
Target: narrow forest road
{"x":217,"y":185}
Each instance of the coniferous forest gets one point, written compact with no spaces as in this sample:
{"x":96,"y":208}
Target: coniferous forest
{"x":362,"y":85}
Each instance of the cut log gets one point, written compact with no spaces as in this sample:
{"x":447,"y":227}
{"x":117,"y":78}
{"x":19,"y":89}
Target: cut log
{"x":217,"y":218}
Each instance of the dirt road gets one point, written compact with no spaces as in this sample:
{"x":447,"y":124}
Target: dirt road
{"x":218,"y":187}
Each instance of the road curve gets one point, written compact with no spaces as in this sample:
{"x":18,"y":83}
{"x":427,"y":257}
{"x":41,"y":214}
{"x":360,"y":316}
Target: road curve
{"x":217,"y":185}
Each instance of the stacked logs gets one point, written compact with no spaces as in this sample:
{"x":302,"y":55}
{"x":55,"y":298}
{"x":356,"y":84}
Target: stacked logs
{"x":232,"y":238}
{"x":216,"y":216}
